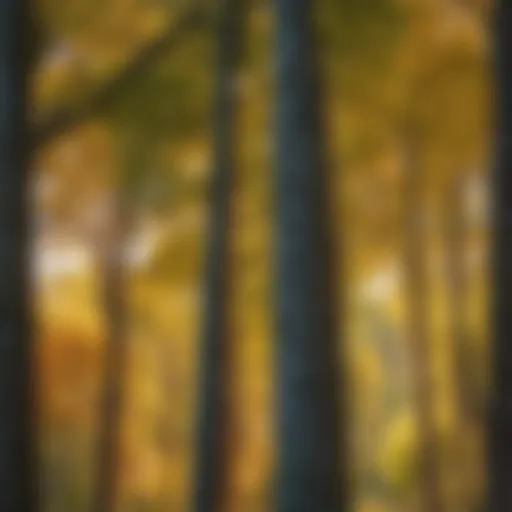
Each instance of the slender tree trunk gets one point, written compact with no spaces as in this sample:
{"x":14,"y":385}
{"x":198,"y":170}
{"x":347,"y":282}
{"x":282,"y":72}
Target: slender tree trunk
{"x":110,"y":263}
{"x":415,"y":266}
{"x":309,"y":436}
{"x":456,"y":273}
{"x":17,"y":482}
{"x":214,"y":351}
{"x":500,"y":432}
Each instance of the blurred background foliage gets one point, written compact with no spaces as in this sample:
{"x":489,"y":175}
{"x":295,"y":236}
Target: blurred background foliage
{"x":147,"y":140}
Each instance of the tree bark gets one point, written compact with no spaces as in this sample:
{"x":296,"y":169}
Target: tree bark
{"x":308,"y":428}
{"x":210,"y":476}
{"x":17,"y":405}
{"x":500,"y":431}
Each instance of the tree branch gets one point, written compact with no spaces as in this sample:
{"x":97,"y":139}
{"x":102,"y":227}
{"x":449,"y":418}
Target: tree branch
{"x":65,"y":118}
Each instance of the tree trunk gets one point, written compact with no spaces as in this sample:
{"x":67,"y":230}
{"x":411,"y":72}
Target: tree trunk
{"x":110,"y":263}
{"x":500,"y":441}
{"x":17,"y":482}
{"x":456,"y":273}
{"x":309,"y":436}
{"x":210,"y":473}
{"x":416,"y":277}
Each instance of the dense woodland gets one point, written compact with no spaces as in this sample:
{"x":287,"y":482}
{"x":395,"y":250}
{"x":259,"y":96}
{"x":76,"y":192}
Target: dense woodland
{"x":259,"y":240}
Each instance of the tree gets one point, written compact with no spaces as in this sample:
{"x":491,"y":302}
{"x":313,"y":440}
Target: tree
{"x":308,"y":438}
{"x":457,"y":283}
{"x":500,"y":442}
{"x":415,"y":266}
{"x":214,"y":349}
{"x":16,"y":404}
{"x":431,"y":134}
{"x":103,"y":96}
{"x":108,"y":244}
{"x":110,"y":266}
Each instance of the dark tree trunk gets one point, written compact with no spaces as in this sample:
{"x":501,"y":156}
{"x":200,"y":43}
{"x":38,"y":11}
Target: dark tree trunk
{"x":110,"y":276}
{"x":500,"y":441}
{"x":17,"y":489}
{"x":309,"y":436}
{"x":214,"y":351}
{"x":416,"y":282}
